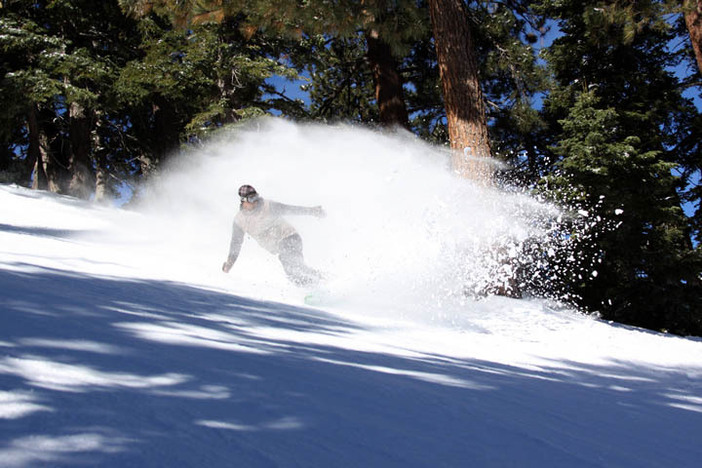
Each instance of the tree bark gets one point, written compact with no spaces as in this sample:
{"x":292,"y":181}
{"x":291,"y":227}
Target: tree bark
{"x":102,"y":174}
{"x":693,"y":20}
{"x":37,"y":151}
{"x":102,"y":193}
{"x":388,"y":82}
{"x":463,"y":97}
{"x":158,"y":131}
{"x":165,"y":136}
{"x":82,"y":180}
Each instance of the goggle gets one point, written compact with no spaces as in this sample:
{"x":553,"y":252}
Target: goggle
{"x":249,"y":198}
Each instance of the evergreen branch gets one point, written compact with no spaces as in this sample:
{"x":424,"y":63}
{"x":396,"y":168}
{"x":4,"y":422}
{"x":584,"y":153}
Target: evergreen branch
{"x":275,"y":92}
{"x":344,"y":84}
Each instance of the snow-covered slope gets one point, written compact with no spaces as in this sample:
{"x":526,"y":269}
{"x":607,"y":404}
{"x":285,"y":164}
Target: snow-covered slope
{"x":123,"y":344}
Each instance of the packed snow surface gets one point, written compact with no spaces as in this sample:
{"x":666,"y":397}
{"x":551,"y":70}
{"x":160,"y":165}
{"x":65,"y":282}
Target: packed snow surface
{"x":122,"y":343}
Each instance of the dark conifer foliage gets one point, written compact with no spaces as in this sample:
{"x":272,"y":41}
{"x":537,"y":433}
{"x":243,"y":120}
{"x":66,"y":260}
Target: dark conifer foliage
{"x":589,"y":103}
{"x":621,"y":134}
{"x":95,"y":98}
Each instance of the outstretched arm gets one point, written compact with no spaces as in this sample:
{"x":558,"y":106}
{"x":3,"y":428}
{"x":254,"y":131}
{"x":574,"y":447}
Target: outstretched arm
{"x":283,"y":209}
{"x":234,"y":247}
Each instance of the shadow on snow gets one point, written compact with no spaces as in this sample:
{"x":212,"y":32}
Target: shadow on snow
{"x":43,"y":231}
{"x":115,"y":372}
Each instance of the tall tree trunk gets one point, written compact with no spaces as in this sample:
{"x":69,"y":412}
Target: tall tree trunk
{"x":37,"y":151}
{"x":82,"y":180}
{"x":693,"y":20}
{"x":388,"y":82}
{"x":165,"y":127}
{"x":463,"y":97}
{"x":227,"y":86}
{"x":54,"y":152}
{"x":102,"y":192}
{"x":102,"y":174}
{"x":159,"y":130}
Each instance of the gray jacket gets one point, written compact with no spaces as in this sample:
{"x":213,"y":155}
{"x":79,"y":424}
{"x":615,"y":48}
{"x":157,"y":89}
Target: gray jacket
{"x":266,"y":225}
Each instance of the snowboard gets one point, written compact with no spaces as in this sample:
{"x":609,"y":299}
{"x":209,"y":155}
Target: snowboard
{"x":315,"y":298}
{"x":318,"y":297}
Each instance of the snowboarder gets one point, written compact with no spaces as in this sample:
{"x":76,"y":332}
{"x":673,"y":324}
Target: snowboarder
{"x":263,"y":220}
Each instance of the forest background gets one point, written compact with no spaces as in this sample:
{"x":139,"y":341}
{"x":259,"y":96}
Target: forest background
{"x":602,"y":120}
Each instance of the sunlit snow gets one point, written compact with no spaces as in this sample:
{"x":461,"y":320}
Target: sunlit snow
{"x":122,"y":343}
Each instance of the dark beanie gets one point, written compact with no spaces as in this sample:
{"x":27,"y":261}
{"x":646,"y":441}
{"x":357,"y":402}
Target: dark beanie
{"x":247,"y":190}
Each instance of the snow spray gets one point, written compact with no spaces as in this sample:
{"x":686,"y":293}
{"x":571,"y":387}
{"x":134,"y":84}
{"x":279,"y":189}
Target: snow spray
{"x":401,"y":233}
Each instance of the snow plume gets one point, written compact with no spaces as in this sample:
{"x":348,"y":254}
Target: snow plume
{"x":401,"y":230}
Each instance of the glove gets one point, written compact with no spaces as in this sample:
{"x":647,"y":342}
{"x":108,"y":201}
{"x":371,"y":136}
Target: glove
{"x":227,"y":266}
{"x":319,"y":212}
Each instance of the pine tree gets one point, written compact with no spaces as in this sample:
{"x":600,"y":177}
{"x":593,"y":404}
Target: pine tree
{"x":341,"y":85}
{"x":383,"y":26}
{"x":511,"y":78}
{"x":463,"y":95}
{"x":93,"y":97}
{"x":60,"y":60}
{"x":618,"y":119}
{"x":28,"y":89}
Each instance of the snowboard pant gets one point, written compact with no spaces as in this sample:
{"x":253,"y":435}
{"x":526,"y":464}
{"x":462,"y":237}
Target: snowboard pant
{"x":294,"y":263}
